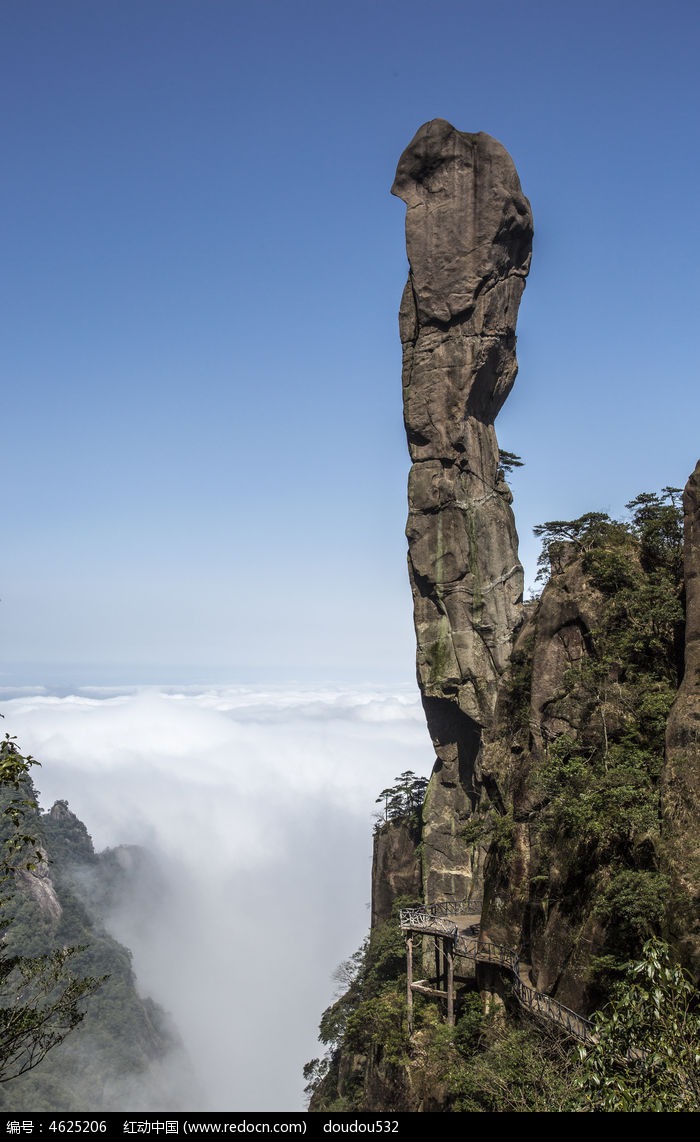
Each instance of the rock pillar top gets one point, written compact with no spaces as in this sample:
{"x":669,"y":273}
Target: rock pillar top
{"x":468,"y":223}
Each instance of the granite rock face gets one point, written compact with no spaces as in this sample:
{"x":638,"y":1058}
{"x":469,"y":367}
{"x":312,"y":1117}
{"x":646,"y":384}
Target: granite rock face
{"x":396,"y":868}
{"x":468,"y":238}
{"x":37,"y":883}
{"x":681,"y":776}
{"x":533,"y":895}
{"x":578,"y":872}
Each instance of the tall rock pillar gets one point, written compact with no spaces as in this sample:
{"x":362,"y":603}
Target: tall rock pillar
{"x":468,"y":239}
{"x":681,"y":776}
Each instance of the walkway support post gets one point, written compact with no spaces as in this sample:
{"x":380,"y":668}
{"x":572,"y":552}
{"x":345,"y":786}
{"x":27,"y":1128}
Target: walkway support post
{"x":409,"y":981}
{"x":487,"y":956}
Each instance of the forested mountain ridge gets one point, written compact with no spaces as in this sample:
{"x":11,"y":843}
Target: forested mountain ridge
{"x":124,"y":1052}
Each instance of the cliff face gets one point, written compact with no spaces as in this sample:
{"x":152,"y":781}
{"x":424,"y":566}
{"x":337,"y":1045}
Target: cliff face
{"x":541,"y":884}
{"x":396,"y":867}
{"x":468,"y":238}
{"x":592,"y":736}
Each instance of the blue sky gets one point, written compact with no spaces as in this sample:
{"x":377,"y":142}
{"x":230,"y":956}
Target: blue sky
{"x":204,"y":456}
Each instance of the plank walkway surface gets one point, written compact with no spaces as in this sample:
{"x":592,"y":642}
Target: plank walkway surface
{"x":457,"y":922}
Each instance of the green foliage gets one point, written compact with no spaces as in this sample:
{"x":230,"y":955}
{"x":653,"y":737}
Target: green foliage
{"x":516,"y":690}
{"x":492,"y":828}
{"x":607,"y":801}
{"x":378,"y":963}
{"x":597,"y":783}
{"x":486,"y":1064}
{"x":67,"y":837}
{"x":515,"y":1069}
{"x":507,"y":461}
{"x":654,"y":532}
{"x":41,"y":995}
{"x":631,"y":906}
{"x":121,"y":1035}
{"x":315,"y":1071}
{"x":367,"y":1020}
{"x":639,"y":562}
{"x":657,"y":522}
{"x":379,"y":1025}
{"x":386,"y":955}
{"x":646,"y":1055}
{"x":41,"y":1001}
{"x":335,"y":1018}
{"x":17,"y":798}
{"x":403,"y":800}
{"x":579,"y":536}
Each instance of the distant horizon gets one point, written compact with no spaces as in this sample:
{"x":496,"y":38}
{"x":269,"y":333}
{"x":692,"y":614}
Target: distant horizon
{"x":52,"y":678}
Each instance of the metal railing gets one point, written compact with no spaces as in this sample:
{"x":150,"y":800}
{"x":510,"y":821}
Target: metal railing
{"x":429,"y":919}
{"x":540,"y":1004}
{"x":455,"y":907}
{"x":420,"y":920}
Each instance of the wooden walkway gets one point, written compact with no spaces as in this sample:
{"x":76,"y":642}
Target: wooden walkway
{"x":455,"y":924}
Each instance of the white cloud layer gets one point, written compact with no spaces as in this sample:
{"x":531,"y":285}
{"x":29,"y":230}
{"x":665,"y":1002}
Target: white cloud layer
{"x":258,"y":804}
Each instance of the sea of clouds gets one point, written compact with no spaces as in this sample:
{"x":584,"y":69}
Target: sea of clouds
{"x":257,"y":806}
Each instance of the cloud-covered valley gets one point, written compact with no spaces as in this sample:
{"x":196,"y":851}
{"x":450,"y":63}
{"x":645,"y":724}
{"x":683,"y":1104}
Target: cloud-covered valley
{"x":257,"y":805}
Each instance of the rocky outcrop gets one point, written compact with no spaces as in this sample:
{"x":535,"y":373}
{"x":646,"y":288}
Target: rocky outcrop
{"x":36,"y":882}
{"x":577,"y":871}
{"x":468,"y":238}
{"x":396,"y":868}
{"x":681,"y":777}
{"x":539,"y":896}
